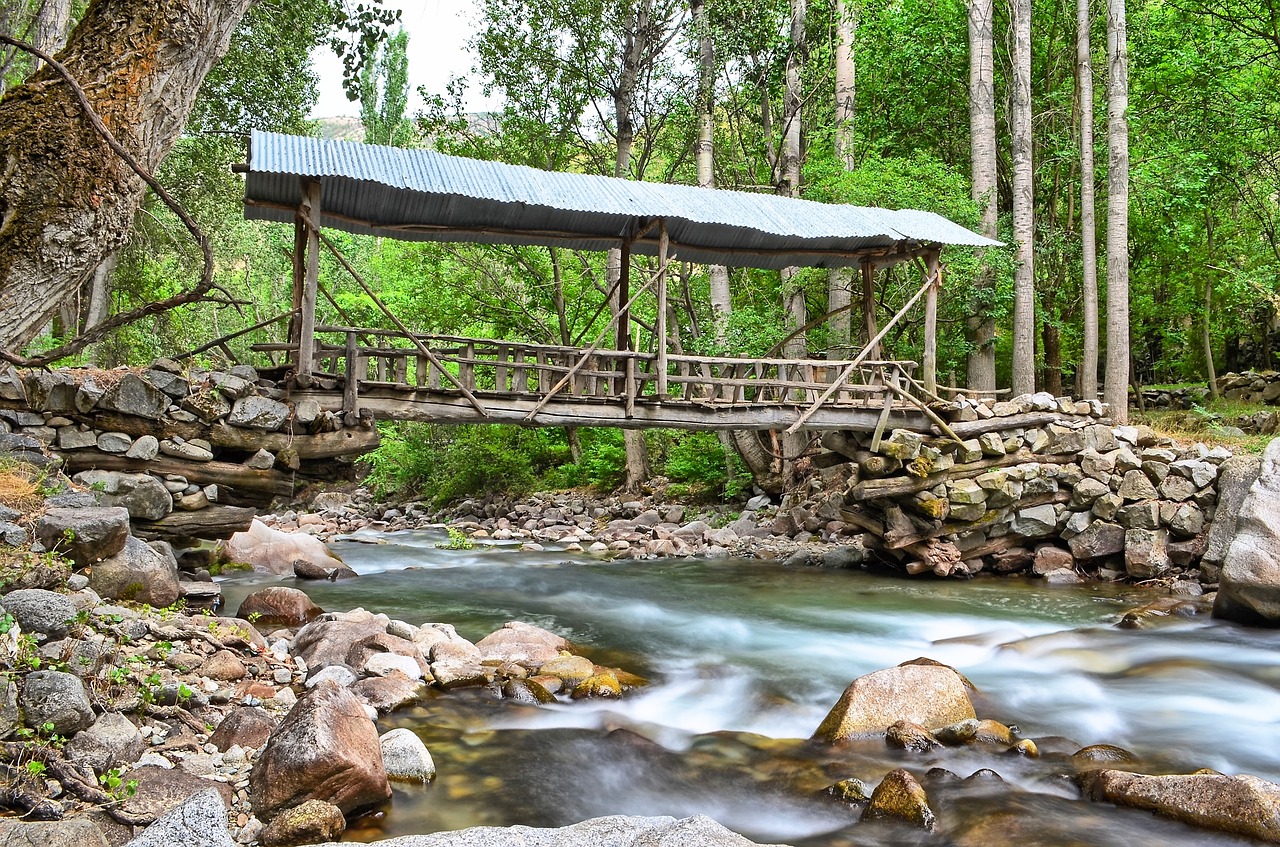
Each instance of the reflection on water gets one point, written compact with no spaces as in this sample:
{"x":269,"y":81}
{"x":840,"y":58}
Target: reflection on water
{"x":746,"y":657}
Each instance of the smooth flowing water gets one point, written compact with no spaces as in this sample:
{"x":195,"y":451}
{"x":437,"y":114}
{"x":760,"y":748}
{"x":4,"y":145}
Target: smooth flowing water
{"x":746,"y":657}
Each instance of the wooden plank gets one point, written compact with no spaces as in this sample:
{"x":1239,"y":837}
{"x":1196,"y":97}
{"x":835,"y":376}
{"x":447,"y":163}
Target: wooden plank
{"x":351,"y":388}
{"x":664,"y":246}
{"x":930,"y":358}
{"x":270,"y":483}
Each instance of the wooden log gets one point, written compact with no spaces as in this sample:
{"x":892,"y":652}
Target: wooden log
{"x":829,"y":459}
{"x":272,"y":483}
{"x":875,"y":489}
{"x":874,"y":465}
{"x":859,"y":518}
{"x":958,"y":527}
{"x":842,"y":442}
{"x":211,"y":522}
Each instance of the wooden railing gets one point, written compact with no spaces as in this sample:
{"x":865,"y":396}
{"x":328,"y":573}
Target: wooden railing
{"x":365,"y":359}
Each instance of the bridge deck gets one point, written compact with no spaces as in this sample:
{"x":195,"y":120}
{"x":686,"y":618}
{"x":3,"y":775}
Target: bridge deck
{"x":449,"y":379}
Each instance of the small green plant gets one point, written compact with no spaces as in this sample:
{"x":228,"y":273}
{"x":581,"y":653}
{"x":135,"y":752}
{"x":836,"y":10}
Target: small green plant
{"x":458,"y":540}
{"x":117,"y":787}
{"x":184,"y":692}
{"x":36,"y":768}
{"x":253,"y":617}
{"x":118,"y":675}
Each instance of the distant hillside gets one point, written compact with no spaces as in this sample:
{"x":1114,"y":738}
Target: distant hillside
{"x":342,"y":128}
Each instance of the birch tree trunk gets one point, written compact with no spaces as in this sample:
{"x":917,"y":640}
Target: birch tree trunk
{"x":704,"y":156}
{"x":1116,"y":387}
{"x":52,"y":23}
{"x":840,"y":280}
{"x":1088,"y":227}
{"x":66,"y":200}
{"x":1024,"y":287}
{"x":793,"y":295}
{"x":982,"y":140}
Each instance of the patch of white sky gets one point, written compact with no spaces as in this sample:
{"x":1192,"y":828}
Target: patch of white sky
{"x":438,"y":34}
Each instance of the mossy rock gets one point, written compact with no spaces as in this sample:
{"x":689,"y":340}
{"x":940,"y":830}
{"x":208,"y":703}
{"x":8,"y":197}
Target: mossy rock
{"x":850,"y":792}
{"x":602,"y":685}
{"x":900,"y":797}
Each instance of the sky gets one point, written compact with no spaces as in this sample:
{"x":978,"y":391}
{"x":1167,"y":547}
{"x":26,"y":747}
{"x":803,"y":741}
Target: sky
{"x":438,"y":32}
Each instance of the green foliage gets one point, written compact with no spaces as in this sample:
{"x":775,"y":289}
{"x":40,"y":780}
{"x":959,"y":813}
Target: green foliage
{"x":458,"y":540}
{"x":384,"y":94}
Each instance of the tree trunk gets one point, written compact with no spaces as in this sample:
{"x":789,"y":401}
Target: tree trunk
{"x":1115,"y":390}
{"x":1024,"y":278}
{"x":633,"y":51}
{"x":840,"y":280}
{"x":66,"y":200}
{"x":704,"y":155}
{"x":982,"y":135}
{"x":793,"y":294}
{"x":1088,"y":227}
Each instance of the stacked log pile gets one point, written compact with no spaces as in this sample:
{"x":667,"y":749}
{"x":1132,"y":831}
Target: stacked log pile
{"x":191,"y":453}
{"x":1044,"y":483}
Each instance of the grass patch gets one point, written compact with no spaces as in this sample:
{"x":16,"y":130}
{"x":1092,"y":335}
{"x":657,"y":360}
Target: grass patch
{"x":21,"y":486}
{"x":1208,"y":424}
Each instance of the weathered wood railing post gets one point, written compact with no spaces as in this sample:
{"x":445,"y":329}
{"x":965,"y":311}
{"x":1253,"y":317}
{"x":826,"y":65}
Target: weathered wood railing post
{"x":351,"y":388}
{"x":664,"y":245}
{"x":311,"y":279}
{"x":934,"y":275}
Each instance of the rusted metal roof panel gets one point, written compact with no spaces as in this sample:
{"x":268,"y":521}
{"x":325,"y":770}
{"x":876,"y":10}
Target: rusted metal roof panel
{"x":430,"y":196}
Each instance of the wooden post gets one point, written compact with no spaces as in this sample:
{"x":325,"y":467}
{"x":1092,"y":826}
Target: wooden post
{"x":299,"y":280}
{"x":351,"y":389}
{"x":311,"y":281}
{"x":930,"y":360}
{"x":869,"y":309}
{"x":623,"y":334}
{"x":664,"y":244}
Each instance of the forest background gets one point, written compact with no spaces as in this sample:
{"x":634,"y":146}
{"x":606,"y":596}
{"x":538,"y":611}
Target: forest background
{"x":859,"y":102}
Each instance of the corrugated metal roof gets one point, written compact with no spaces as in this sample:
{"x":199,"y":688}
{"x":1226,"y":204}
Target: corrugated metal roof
{"x":429,"y":196}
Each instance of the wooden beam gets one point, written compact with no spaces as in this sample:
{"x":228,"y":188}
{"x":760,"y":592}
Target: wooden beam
{"x":869,"y":308}
{"x":310,"y":212}
{"x":898,"y":486}
{"x":664,"y":244}
{"x":968,"y":429}
{"x":622,"y":338}
{"x":211,"y":522}
{"x":424,"y":405}
{"x":933,"y":279}
{"x":271,"y":483}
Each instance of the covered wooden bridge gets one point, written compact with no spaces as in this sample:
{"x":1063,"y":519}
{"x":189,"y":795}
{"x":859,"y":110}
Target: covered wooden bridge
{"x":428,"y":196}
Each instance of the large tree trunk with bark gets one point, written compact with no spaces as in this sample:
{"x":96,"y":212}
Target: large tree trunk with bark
{"x":792,"y":293}
{"x":67,"y":200}
{"x":1088,"y":227}
{"x":1024,"y":277}
{"x":1116,"y":388}
{"x":704,"y":155}
{"x":840,"y":280}
{"x":982,"y":139}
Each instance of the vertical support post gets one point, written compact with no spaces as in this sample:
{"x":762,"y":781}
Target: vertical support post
{"x":664,"y":245}
{"x":934,"y":270}
{"x":299,"y":282}
{"x":311,"y":282}
{"x":869,"y":309}
{"x":351,"y":388}
{"x":622,"y":329}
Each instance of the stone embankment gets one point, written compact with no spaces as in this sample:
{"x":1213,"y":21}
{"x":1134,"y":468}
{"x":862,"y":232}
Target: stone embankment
{"x":191,"y":453}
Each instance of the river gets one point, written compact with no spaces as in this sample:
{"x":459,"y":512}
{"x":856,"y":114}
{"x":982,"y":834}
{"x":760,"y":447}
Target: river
{"x":746,"y":657}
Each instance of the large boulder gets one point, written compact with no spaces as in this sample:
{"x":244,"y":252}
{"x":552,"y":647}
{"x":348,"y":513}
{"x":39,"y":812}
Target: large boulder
{"x":932,"y":696}
{"x":133,"y":395}
{"x":256,"y":412}
{"x":137,"y":573}
{"x":279,"y":606}
{"x":1242,"y":805}
{"x":405,"y":757}
{"x":142,"y":494}
{"x":1239,"y":473}
{"x":272,"y":551}
{"x":308,"y":823}
{"x":1249,"y":586}
{"x":245,"y":726}
{"x":74,"y":832}
{"x":57,"y":698}
{"x":900,"y":797}
{"x":614,"y":831}
{"x":325,"y":749}
{"x":160,"y":790}
{"x":522,"y":644}
{"x":328,"y":639}
{"x":84,"y":534}
{"x":38,"y":610}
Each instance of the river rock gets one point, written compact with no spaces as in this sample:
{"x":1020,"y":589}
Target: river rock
{"x":1100,"y":538}
{"x":278,"y":606}
{"x":255,"y":412}
{"x":161,"y":790}
{"x":899,"y":796}
{"x":188,"y":450}
{"x":200,"y":819}
{"x":245,"y":726}
{"x":54,"y":697}
{"x":73,"y":832}
{"x":112,"y":741}
{"x":133,"y":395}
{"x":144,"y":448}
{"x":613,"y":831}
{"x":272,"y":551}
{"x":393,"y":691}
{"x":1238,"y":474}
{"x":1146,"y":553}
{"x":1242,"y":805}
{"x":405,"y":757}
{"x":142,"y":494}
{"x":309,"y":823}
{"x":325,"y":749}
{"x":520,"y":643}
{"x":327,"y":640}
{"x":137,"y":573}
{"x":84,"y":534}
{"x":911,"y":737}
{"x":929,"y":695}
{"x":569,"y":669}
{"x":1249,"y":586}
{"x":224,"y":666}
{"x":380,"y":645}
{"x":38,"y":610}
